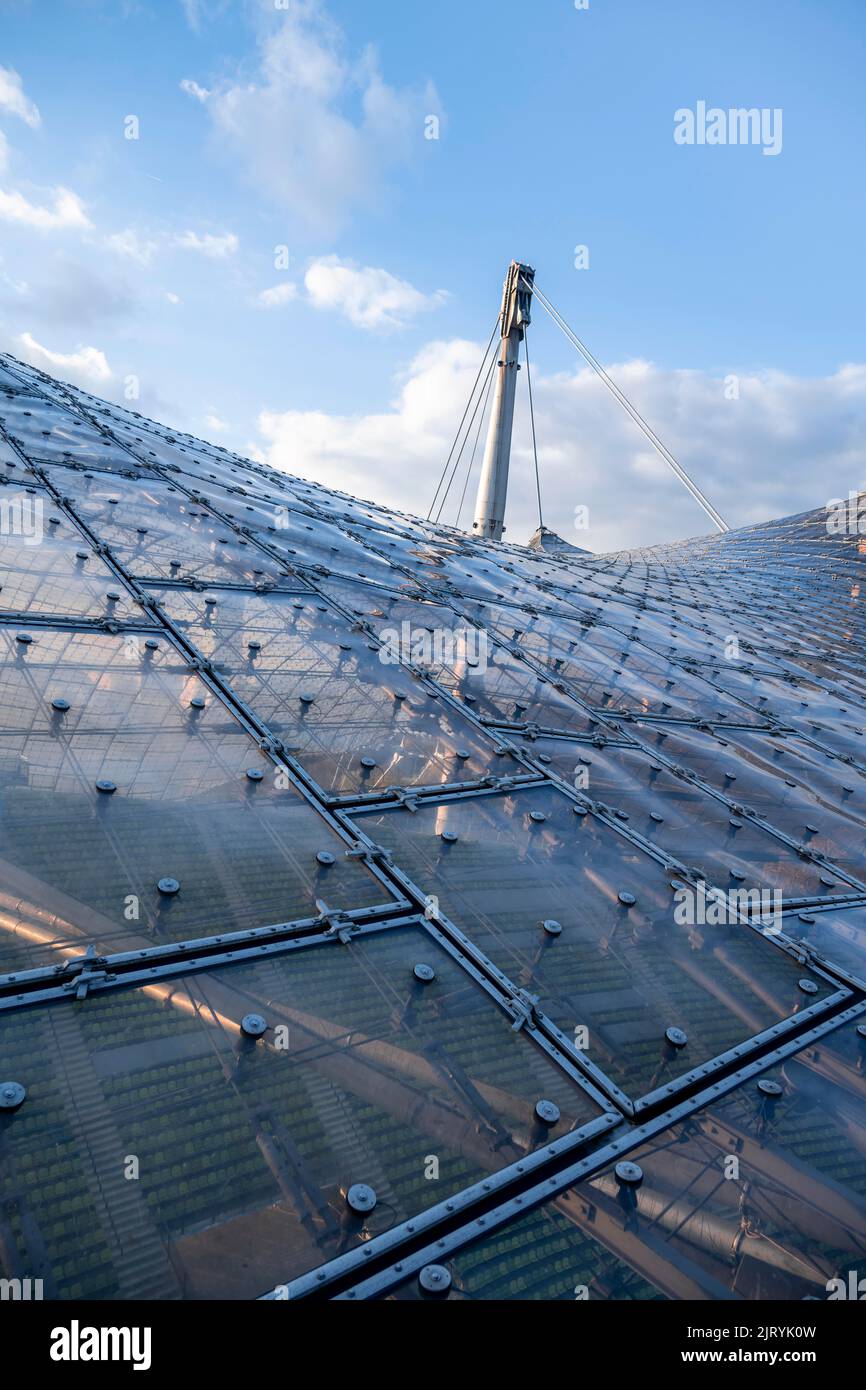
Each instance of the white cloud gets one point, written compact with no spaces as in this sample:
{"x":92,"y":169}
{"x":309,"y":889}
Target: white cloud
{"x":13,"y":100}
{"x":135,"y":248}
{"x":67,"y":211}
{"x":369,"y":298}
{"x":277,"y":295}
{"x":786,"y":445}
{"x":318,"y":131}
{"x":4,"y":152}
{"x":216,"y":247}
{"x":87,"y":366}
{"x":192,"y":89}
{"x":172,"y":297}
{"x":215,"y":424}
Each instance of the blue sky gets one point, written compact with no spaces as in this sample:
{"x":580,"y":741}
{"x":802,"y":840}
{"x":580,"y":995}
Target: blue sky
{"x":305,"y":127}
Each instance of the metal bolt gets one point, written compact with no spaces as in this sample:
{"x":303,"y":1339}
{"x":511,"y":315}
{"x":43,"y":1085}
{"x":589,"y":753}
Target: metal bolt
{"x":547,"y":1112}
{"x":60,"y":705}
{"x":104,"y":785}
{"x":360,"y":1198}
{"x":12,"y":1095}
{"x":435,"y":1280}
{"x":168,"y":886}
{"x":628,"y":1174}
{"x":425,"y":973}
{"x":771,"y":1089}
{"x":807,"y":986}
{"x":676,"y":1037}
{"x":551,"y":927}
{"x":325,"y":857}
{"x":627,"y":899}
{"x":253,"y":1026}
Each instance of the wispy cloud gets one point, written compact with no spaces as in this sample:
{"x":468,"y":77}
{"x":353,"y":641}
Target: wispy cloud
{"x":14,"y":101}
{"x":67,"y":210}
{"x":133,"y":247}
{"x":87,"y":365}
{"x":206,"y":244}
{"x":277,"y":295}
{"x":318,"y":131}
{"x":368,"y":297}
{"x":193,"y":89}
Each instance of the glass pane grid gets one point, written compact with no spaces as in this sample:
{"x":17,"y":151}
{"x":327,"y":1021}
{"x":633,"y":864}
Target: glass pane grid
{"x":158,"y":787}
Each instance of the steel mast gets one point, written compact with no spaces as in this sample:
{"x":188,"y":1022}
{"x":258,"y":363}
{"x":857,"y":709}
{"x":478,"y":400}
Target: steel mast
{"x":493,"y":485}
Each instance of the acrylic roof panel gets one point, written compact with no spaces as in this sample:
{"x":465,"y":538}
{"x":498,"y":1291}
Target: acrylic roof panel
{"x":363,"y":878}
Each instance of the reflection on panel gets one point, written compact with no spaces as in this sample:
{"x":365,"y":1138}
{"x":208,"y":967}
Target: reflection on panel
{"x":372,"y":1095}
{"x":762,"y":1195}
{"x":342,"y":704}
{"x":798,"y":788}
{"x":714,"y":837}
{"x":576,"y":916}
{"x":144,"y":813}
{"x":48,"y":567}
{"x":157,"y":532}
{"x":479,"y":671}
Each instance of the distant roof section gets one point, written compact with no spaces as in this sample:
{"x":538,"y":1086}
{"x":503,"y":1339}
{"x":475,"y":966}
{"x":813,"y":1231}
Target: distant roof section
{"x":548,"y":541}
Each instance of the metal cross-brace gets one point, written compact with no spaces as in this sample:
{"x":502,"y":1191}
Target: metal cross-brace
{"x":523,"y":1007}
{"x":339,"y":923}
{"x":369,"y":853}
{"x":83,"y":971}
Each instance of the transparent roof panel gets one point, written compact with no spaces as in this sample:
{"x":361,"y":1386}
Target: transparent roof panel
{"x":787,"y":694}
{"x":247,"y":1150}
{"x":47,"y":431}
{"x":465,"y":658}
{"x":622,"y":967}
{"x":135,"y":787}
{"x":612,"y":671}
{"x":157,"y":532}
{"x":67,"y":682}
{"x":836,"y":934}
{"x":719,"y":841}
{"x":48,"y":567}
{"x":808,"y":793}
{"x":307,"y":540}
{"x":342,"y":704}
{"x":762,"y":1194}
{"x":549,"y":1255}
